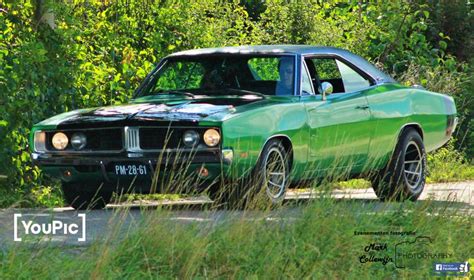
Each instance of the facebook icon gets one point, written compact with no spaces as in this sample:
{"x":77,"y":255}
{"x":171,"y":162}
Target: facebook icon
{"x":452,"y":268}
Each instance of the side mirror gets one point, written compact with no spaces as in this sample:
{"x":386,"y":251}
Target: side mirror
{"x":327,"y":89}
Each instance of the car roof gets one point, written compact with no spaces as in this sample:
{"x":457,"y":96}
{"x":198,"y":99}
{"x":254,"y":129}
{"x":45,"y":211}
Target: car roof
{"x":359,"y":62}
{"x":295,"y":49}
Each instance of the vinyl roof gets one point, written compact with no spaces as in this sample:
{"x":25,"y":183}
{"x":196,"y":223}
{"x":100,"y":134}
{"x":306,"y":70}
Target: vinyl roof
{"x":359,"y":62}
{"x":295,"y":49}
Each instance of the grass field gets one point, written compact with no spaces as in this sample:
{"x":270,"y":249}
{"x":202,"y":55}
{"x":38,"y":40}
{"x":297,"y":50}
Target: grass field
{"x":321,"y":243}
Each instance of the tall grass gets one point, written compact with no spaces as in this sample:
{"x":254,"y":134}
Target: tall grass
{"x":313,"y":239}
{"x":302,"y":239}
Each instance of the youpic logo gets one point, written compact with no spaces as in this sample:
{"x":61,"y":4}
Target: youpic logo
{"x":22,"y":226}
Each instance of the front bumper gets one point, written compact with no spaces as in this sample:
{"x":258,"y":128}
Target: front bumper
{"x":165,"y":166}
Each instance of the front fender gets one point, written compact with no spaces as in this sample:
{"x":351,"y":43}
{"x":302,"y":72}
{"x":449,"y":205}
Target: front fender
{"x":247,"y":133}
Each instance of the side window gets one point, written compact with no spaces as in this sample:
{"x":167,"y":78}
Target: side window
{"x":352,"y":80}
{"x":341,"y":76}
{"x":272,"y":75}
{"x":327,"y":68}
{"x":306,"y":87}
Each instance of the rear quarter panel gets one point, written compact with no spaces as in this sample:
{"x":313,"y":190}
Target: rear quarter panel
{"x":431,"y":110}
{"x":393,"y":107}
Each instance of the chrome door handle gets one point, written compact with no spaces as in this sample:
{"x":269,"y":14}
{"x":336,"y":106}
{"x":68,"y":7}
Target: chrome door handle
{"x":362,"y":107}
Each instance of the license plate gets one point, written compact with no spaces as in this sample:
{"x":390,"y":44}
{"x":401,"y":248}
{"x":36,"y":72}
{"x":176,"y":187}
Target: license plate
{"x":131,"y":169}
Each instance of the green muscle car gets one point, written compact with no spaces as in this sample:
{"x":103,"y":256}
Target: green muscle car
{"x":280,"y":115}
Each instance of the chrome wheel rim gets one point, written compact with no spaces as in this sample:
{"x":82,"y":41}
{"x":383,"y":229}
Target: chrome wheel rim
{"x":275,"y":173}
{"x":413,"y":165}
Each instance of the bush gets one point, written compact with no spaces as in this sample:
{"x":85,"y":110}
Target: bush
{"x":58,"y":56}
{"x":449,"y":164}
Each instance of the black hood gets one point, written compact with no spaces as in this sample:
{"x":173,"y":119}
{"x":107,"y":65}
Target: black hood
{"x":187,"y":112}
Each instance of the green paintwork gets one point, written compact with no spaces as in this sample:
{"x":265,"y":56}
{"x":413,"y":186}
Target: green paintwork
{"x":332,"y":134}
{"x":349,"y":132}
{"x":328,"y":135}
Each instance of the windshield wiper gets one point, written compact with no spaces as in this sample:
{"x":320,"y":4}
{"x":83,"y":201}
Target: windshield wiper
{"x":170,"y":91}
{"x":246,"y":92}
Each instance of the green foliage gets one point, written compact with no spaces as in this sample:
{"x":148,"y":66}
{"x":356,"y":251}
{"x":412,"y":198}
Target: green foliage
{"x":99,"y":51}
{"x":180,"y":75}
{"x":448,"y":164}
{"x":353,"y":184}
{"x":44,"y":196}
{"x":265,"y":68}
{"x":33,"y":83}
{"x":327,"y":69}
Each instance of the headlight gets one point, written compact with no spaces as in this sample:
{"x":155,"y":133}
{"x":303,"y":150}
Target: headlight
{"x":60,"y":141}
{"x":190,"y":138}
{"x":39,"y":144}
{"x":78,"y":140}
{"x":212,"y":137}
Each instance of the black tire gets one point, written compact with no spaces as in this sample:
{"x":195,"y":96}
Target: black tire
{"x":79,"y":198}
{"x":226,"y":194}
{"x":258,"y":189}
{"x":405,"y":175}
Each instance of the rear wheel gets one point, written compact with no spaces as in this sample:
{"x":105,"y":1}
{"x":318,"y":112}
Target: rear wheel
{"x":79,"y":198}
{"x":405,"y":175}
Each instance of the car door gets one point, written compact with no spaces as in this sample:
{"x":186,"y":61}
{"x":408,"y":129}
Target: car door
{"x":340,"y":125}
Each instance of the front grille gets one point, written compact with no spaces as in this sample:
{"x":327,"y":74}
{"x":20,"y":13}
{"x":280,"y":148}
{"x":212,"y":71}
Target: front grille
{"x":130,"y":139}
{"x":107,"y":139}
{"x":132,"y":142}
{"x":160,"y":138}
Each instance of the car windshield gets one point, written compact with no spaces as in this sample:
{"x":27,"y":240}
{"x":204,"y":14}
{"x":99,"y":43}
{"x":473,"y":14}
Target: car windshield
{"x":223,"y":75}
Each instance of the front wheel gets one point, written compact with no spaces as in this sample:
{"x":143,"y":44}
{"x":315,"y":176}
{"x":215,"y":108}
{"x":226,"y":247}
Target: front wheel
{"x":273,"y":172}
{"x":405,"y":175}
{"x":267,"y":184}
{"x":79,"y":198}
